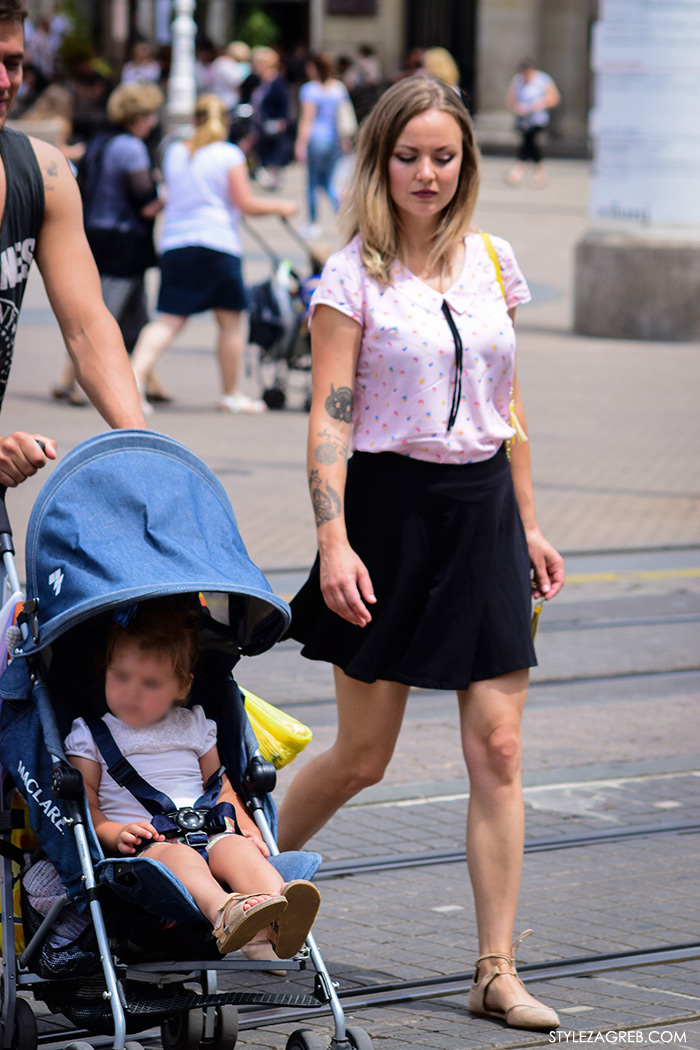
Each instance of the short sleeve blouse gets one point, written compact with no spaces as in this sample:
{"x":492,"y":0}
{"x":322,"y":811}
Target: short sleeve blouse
{"x":166,"y":755}
{"x":406,"y":367}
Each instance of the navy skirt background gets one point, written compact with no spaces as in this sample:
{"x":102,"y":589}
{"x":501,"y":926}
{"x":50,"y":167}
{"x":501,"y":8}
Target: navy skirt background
{"x":446,"y":552}
{"x":195,"y":279}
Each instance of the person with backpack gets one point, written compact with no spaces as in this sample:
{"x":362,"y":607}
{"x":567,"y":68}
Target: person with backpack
{"x":120,"y":201}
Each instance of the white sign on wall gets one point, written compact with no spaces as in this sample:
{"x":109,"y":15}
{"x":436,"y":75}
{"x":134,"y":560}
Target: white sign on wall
{"x":645,"y":123}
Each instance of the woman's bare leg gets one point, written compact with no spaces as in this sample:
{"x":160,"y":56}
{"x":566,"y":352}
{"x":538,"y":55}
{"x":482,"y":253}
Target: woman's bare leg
{"x":369,"y":720}
{"x":233,"y":329}
{"x":152,"y":341}
{"x":490,"y":713}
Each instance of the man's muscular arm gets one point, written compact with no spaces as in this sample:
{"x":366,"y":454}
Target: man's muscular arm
{"x":72,"y":282}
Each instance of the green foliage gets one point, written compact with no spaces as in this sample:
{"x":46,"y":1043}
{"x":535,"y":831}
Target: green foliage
{"x":77,"y":43}
{"x":258,"y":29}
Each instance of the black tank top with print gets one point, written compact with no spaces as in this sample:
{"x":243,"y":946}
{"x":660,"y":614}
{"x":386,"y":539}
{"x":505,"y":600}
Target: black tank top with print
{"x":21,"y":222}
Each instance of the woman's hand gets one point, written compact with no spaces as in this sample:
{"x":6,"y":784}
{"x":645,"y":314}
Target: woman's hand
{"x":287,"y":208}
{"x":132,"y":835}
{"x":345,"y":583}
{"x":547,"y":566}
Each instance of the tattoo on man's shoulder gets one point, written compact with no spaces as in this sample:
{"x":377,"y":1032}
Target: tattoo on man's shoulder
{"x":50,"y":176}
{"x":330,"y":448}
{"x":325,"y":500}
{"x":339,"y":404}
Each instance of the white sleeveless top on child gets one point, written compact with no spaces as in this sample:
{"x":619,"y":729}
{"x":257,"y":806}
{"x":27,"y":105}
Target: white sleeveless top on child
{"x":166,"y":755}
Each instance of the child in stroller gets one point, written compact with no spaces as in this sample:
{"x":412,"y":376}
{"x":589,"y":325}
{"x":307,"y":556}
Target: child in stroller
{"x":151,"y":652}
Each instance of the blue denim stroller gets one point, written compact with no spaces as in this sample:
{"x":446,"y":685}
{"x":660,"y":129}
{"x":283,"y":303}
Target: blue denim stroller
{"x":115,"y":944}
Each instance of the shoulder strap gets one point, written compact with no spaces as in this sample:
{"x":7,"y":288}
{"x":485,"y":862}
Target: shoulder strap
{"x":488,"y":244}
{"x":121,"y":770}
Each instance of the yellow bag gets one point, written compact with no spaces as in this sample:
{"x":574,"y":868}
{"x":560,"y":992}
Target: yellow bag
{"x":25,"y":839}
{"x":280,"y":736}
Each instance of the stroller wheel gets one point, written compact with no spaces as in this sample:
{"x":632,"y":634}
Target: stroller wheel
{"x":358,"y":1038}
{"x":25,"y":1035}
{"x":305,"y":1039}
{"x":274,"y":397}
{"x":82,"y":1046}
{"x":183,"y":1032}
{"x":226,"y":1032}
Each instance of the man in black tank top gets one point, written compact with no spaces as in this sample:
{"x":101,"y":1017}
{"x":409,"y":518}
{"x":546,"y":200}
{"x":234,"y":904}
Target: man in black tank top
{"x":41,"y":218}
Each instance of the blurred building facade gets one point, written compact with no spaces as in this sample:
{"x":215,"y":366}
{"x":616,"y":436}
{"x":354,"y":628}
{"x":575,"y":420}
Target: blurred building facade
{"x":488,"y":38}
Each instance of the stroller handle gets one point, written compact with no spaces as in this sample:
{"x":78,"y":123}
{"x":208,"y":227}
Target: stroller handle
{"x":6,"y":545}
{"x":5,"y":527}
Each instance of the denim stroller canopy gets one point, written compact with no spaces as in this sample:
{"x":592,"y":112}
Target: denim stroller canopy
{"x":130,"y":491}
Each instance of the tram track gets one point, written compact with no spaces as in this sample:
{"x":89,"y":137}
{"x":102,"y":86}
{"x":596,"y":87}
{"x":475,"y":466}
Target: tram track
{"x":393,"y":862}
{"x":402,"y":992}
{"x":397,"y":993}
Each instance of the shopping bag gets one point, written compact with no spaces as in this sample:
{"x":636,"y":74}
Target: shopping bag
{"x":280,"y":736}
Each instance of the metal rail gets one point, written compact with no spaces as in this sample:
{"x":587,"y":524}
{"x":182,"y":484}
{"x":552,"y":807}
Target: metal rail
{"x":458,"y":984}
{"x":391,"y":862}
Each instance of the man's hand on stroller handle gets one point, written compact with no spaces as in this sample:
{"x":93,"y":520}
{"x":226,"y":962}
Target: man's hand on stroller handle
{"x":22,"y":454}
{"x":132,"y":835}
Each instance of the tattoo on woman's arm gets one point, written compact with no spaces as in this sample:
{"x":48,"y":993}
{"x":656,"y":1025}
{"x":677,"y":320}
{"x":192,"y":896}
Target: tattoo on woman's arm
{"x":326,"y":502}
{"x":330,"y":448}
{"x":339,"y":404}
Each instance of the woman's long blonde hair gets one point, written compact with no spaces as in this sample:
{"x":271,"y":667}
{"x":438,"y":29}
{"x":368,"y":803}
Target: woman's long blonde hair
{"x":209,"y":123}
{"x":369,"y":209}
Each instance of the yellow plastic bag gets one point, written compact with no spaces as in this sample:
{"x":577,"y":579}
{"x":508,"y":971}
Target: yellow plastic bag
{"x":25,"y":839}
{"x":280,"y":736}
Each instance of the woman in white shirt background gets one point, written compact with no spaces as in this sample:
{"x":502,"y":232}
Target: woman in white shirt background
{"x":428,"y":545}
{"x":531,"y":94}
{"x":208,"y":189}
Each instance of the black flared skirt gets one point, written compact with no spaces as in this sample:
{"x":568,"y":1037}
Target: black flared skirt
{"x":446,"y":552}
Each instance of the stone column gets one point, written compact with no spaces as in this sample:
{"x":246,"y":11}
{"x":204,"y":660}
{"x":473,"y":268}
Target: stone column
{"x":182,"y":88}
{"x":638,"y":268}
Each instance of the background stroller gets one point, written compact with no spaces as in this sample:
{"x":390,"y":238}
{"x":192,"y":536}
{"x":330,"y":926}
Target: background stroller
{"x":278,"y":309}
{"x":116,"y":943}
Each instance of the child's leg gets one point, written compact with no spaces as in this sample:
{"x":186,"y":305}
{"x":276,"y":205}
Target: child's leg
{"x":237,"y":861}
{"x":194,"y":873}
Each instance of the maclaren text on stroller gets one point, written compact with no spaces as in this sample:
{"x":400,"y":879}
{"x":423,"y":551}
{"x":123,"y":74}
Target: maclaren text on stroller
{"x":116,"y":943}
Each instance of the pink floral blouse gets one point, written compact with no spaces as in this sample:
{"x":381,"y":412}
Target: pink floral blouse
{"x":406,"y":368}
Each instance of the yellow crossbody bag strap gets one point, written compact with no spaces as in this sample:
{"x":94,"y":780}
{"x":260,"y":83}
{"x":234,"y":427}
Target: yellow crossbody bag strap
{"x":520,"y":434}
{"x":488,"y":244}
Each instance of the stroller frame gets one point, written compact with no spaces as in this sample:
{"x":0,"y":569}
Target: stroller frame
{"x":288,"y":351}
{"x":194,"y":1019}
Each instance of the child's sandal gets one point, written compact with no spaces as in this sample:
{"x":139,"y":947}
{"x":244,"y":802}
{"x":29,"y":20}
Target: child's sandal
{"x":289,"y":933}
{"x":234,"y":927}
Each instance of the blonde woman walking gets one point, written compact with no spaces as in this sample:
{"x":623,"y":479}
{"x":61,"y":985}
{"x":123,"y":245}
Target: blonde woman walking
{"x":428,"y":543}
{"x":208,"y":190}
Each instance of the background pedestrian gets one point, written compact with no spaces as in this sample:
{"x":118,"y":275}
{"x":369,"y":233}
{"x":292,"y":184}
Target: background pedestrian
{"x":530,"y":96}
{"x":207,"y":191}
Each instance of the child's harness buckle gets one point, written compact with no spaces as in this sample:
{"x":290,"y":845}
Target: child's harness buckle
{"x":189,"y":819}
